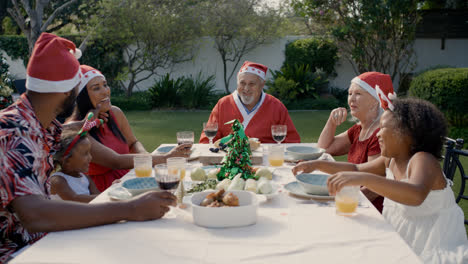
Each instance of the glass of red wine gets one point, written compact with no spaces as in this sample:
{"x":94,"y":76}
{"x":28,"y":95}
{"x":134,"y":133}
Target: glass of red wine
{"x":167,"y":179}
{"x":210,"y":129}
{"x":279,"y":132}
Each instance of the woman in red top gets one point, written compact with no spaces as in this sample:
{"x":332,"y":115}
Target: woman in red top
{"x":113,"y":144}
{"x":360,"y":141}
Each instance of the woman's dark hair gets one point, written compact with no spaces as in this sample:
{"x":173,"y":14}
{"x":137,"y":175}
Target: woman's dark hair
{"x":423,"y":122}
{"x":83,"y":106}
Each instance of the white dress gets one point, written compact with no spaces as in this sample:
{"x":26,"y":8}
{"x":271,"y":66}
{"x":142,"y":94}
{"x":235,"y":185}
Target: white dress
{"x":78,"y":185}
{"x":435,"y":229}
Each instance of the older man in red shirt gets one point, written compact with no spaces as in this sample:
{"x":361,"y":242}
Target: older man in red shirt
{"x":256,"y":110}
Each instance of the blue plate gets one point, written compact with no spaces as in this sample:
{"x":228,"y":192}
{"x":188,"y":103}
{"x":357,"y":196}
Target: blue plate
{"x":165,"y":149}
{"x":140,"y":185}
{"x":295,"y":189}
{"x":313,"y":183}
{"x":304,"y":152}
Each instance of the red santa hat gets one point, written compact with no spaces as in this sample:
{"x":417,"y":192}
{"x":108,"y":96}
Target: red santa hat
{"x":369,"y":81}
{"x":53,"y":66}
{"x":385,"y":98}
{"x":88,"y":73}
{"x":255,"y":68}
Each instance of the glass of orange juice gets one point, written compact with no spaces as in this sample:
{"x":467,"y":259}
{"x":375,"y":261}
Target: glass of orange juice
{"x":276,"y":155}
{"x":177,"y":163}
{"x":143,"y":165}
{"x":346,"y":200}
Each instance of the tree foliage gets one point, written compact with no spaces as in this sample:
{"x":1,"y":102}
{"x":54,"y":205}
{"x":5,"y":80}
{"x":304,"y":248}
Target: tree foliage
{"x":35,"y":17}
{"x":373,"y":35}
{"x":157,"y":34}
{"x":238,"y":27}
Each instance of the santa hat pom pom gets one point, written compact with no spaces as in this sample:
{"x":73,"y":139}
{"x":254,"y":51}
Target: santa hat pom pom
{"x":77,"y":53}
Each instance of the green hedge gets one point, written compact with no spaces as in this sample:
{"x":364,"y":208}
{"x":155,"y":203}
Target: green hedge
{"x":318,"y":53}
{"x":102,"y":54}
{"x":447,"y":89}
{"x":138,"y":101}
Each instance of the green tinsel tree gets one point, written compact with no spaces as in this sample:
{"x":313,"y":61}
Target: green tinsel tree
{"x":237,"y":159}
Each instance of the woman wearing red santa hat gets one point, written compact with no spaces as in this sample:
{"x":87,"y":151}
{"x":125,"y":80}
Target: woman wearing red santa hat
{"x":113,"y":145}
{"x":360,"y":141}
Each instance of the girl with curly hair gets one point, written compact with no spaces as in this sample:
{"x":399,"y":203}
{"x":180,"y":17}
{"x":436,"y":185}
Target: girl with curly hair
{"x":419,"y":201}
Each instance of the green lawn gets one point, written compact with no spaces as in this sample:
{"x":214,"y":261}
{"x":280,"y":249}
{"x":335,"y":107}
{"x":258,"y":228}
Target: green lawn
{"x":155,"y":128}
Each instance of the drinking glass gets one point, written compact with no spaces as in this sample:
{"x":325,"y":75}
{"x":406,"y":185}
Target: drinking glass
{"x":185,"y":137}
{"x":346,"y":200}
{"x":177,"y":165}
{"x":168,"y":180}
{"x":143,"y":165}
{"x":276,"y":155}
{"x":279,"y":132}
{"x":210,"y":129}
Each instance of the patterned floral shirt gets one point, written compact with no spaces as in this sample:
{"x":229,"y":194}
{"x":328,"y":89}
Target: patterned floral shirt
{"x":26,"y":150}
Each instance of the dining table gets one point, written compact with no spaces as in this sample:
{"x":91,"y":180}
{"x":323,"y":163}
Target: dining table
{"x":289,"y":229}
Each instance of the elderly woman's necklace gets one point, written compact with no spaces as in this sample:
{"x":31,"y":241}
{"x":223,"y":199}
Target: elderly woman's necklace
{"x":369,"y":129}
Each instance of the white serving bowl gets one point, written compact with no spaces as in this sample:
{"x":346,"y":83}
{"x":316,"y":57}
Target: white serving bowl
{"x":140,"y":185}
{"x":313,"y":183}
{"x":218,"y":217}
{"x":304,"y":152}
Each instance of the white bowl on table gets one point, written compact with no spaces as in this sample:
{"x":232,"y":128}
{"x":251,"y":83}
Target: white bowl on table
{"x":313,"y":183}
{"x":220,"y":217}
{"x":304,"y":152}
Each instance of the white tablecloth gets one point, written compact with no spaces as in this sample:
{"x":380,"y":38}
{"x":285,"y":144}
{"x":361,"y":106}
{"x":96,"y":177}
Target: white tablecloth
{"x":288,"y":230}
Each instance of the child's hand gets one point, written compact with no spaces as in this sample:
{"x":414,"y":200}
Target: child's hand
{"x":98,"y":114}
{"x":342,"y":179}
{"x":306,"y":166}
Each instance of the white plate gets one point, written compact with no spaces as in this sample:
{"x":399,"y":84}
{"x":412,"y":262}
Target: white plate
{"x":295,"y":189}
{"x":119,"y":193}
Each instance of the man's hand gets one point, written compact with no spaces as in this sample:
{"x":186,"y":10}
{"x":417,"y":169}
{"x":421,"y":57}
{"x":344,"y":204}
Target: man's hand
{"x":151,"y":205}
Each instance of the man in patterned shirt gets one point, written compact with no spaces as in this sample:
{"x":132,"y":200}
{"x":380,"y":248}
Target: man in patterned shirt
{"x":29,"y":135}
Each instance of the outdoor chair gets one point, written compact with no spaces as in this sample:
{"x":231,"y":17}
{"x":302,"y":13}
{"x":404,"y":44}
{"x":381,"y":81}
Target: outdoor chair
{"x":452,"y":164}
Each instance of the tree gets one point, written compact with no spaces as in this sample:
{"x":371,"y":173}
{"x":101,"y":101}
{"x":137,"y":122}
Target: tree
{"x":372,"y":35}
{"x":157,"y":33}
{"x":238,"y":27}
{"x":34,"y":17}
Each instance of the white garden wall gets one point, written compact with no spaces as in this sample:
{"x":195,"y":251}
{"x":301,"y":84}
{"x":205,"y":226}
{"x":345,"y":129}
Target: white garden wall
{"x":207,"y":60}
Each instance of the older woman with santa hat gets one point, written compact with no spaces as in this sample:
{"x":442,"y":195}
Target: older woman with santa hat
{"x":113,"y":145}
{"x":360,"y":141}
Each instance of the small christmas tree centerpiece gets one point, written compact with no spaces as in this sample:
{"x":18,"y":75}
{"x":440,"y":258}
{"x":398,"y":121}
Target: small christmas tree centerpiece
{"x":237,"y":159}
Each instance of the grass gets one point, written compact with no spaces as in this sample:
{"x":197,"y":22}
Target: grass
{"x":157,"y":127}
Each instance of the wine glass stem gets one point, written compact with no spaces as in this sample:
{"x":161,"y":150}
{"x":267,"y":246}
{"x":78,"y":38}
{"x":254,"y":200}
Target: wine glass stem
{"x":211,"y":141}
